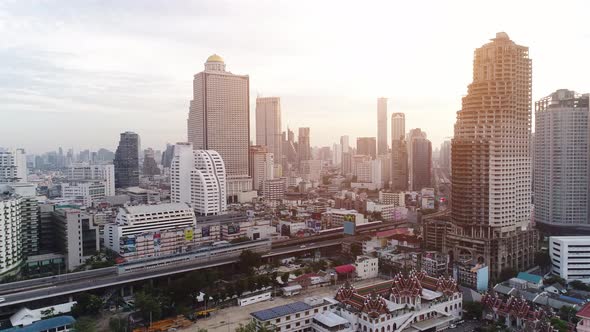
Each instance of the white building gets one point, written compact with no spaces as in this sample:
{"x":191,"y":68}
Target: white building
{"x":86,"y":171}
{"x":77,"y":236}
{"x":261,"y":166}
{"x":367,"y":267}
{"x":570,"y":257}
{"x":292,"y":317}
{"x":561,"y":154}
{"x":219,"y":120}
{"x":11,"y":228}
{"x":397,"y":199}
{"x":336,"y":218}
{"x":268,"y":125}
{"x":198,"y":177}
{"x":13,"y":165}
{"x":274,"y":189}
{"x":337,"y":154}
{"x":84,"y":192}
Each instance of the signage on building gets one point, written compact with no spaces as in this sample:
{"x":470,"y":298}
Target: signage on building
{"x":189,"y":234}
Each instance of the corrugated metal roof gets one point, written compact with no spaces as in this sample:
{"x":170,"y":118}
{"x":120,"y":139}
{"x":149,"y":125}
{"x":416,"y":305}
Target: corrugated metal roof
{"x":280,"y":311}
{"x":45,"y":324}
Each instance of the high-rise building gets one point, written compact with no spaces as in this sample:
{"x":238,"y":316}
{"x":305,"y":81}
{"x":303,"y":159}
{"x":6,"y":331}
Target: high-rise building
{"x":13,"y":165}
{"x":445,"y":155}
{"x":366,"y":146}
{"x":274,"y":189}
{"x":198,"y":177}
{"x":561,"y":154}
{"x":336,"y":154}
{"x":167,"y":156}
{"x":268,"y":125}
{"x":346,"y":163}
{"x":150,"y":166}
{"x":413,"y":134}
{"x":219,"y":120}
{"x":382,"y":126}
{"x":398,"y":126}
{"x":85,"y":171}
{"x":345,"y":143}
{"x":261,"y":165}
{"x":11,"y":219}
{"x":85,"y":193}
{"x":303,"y":145}
{"x":399,"y":165}
{"x":421,"y":164}
{"x":127,"y":161}
{"x":491,"y":173}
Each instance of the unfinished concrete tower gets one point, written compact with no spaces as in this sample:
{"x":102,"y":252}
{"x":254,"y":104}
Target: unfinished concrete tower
{"x":491,"y":175}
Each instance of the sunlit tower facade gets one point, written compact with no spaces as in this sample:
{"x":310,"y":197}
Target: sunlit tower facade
{"x":382,"y":126}
{"x":491,"y":173}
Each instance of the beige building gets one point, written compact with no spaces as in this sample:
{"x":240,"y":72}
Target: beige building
{"x":219,"y":120}
{"x":261,"y":166}
{"x":268,"y":125}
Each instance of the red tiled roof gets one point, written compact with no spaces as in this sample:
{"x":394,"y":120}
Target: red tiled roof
{"x":342,"y":269}
{"x":584,"y":312}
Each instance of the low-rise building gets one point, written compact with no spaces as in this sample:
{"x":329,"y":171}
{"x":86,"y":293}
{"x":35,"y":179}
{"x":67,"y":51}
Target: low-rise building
{"x":139,"y":195}
{"x":367,"y":267}
{"x":570,"y":257}
{"x":434,"y":263}
{"x":584,"y":316}
{"x":292,"y":317}
{"x":393,"y":198}
{"x":336,"y":217}
{"x":86,"y":193}
{"x":474,"y":276}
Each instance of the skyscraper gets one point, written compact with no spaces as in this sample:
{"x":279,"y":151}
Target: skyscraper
{"x":421,"y":163}
{"x":150,"y":167}
{"x":398,"y":126}
{"x":561,"y":154}
{"x":219,"y":120}
{"x":303,"y":145}
{"x":413,"y":135}
{"x":445,"y":155}
{"x":13,"y":165}
{"x":399,"y":165}
{"x":491,"y":173}
{"x":382,"y":126}
{"x":344,"y":143}
{"x":366,"y":146}
{"x":268,"y":125}
{"x":127,"y":161}
{"x":198,"y":177}
{"x":261,"y":165}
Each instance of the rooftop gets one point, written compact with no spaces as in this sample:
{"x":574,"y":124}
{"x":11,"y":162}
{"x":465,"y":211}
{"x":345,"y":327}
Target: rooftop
{"x":584,"y":312}
{"x":280,"y":311}
{"x":157,"y":208}
{"x":46,"y":324}
{"x":530,"y":277}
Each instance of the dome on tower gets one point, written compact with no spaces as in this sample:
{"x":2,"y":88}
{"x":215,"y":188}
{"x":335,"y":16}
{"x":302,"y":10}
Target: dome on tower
{"x":215,"y":58}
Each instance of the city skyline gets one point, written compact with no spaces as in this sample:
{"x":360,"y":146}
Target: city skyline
{"x":48,"y":80}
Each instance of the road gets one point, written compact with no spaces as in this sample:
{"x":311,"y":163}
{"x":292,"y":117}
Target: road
{"x":52,"y":287}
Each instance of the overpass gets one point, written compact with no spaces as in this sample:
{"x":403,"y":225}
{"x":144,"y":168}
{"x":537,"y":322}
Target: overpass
{"x":67,"y":284}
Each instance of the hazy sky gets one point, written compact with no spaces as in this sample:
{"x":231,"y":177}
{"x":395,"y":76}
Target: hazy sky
{"x":77,"y":73}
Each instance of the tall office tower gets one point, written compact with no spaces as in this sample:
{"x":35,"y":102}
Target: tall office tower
{"x":382,"y":126}
{"x":303,"y":146}
{"x":325,"y":153}
{"x":491,"y":175}
{"x":561,"y":154}
{"x":421,"y":164}
{"x":413,"y":134}
{"x":445,"y":156}
{"x":268,"y":125}
{"x":398,"y":126}
{"x":399,"y":165}
{"x":219,"y":120}
{"x":167,"y":156}
{"x":13,"y":165}
{"x":261,"y":165}
{"x":385,"y":160}
{"x":346,"y":163}
{"x":150,"y":166}
{"x":85,"y":171}
{"x":336,"y":154}
{"x":198,"y":177}
{"x":366,"y":146}
{"x":290,"y":147}
{"x":127,"y":161}
{"x":102,"y":155}
{"x":345,"y":143}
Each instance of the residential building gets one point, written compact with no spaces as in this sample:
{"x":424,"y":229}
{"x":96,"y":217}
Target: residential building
{"x":150,"y":166}
{"x":86,"y":171}
{"x":399,"y":165}
{"x":393,"y":198}
{"x":261,"y":165}
{"x":445,"y":156}
{"x":491,"y":198}
{"x":127,"y":161}
{"x":475,"y":276}
{"x":86,"y":193}
{"x":421,"y":164}
{"x":268,"y":125}
{"x":139,"y":195}
{"x":570,"y":257}
{"x":76,"y":235}
{"x":29,"y":212}
{"x":561,"y":168}
{"x":366,"y":146}
{"x":274,"y":189}
{"x":345,"y":143}
{"x":336,"y":217}
{"x":435,"y":232}
{"x":219,"y":120}
{"x":434,"y":263}
{"x":366,"y":267}
{"x":398,"y":127}
{"x":311,"y":170}
{"x":198,"y":177}
{"x":13,"y":165}
{"x":382,"y":145}
{"x":336,"y":154}
{"x":11,"y":229}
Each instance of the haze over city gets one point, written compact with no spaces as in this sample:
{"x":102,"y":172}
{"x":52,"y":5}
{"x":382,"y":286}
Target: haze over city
{"x":91,"y":70}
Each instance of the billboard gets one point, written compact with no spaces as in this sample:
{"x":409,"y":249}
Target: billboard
{"x":205,"y":231}
{"x":350,"y":217}
{"x":189,"y":234}
{"x":157,"y":241}
{"x":127,"y":244}
{"x":233,"y":229}
{"x":349,"y":227}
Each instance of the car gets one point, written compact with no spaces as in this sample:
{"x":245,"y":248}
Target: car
{"x":302,"y":246}
{"x":2,"y":299}
{"x":453,"y":326}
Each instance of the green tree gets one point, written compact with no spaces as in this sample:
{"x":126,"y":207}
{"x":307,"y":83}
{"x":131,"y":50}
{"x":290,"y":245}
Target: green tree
{"x":147,"y":304}
{"x":251,"y":327}
{"x":85,"y":324}
{"x":248,"y":261}
{"x":542,"y":258}
{"x":508,"y":273}
{"x":559,"y":324}
{"x":579,"y":285}
{"x":473,"y":310}
{"x":568,"y":314}
{"x":87,"y":305}
{"x":285,"y":277}
{"x":117,"y":324}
